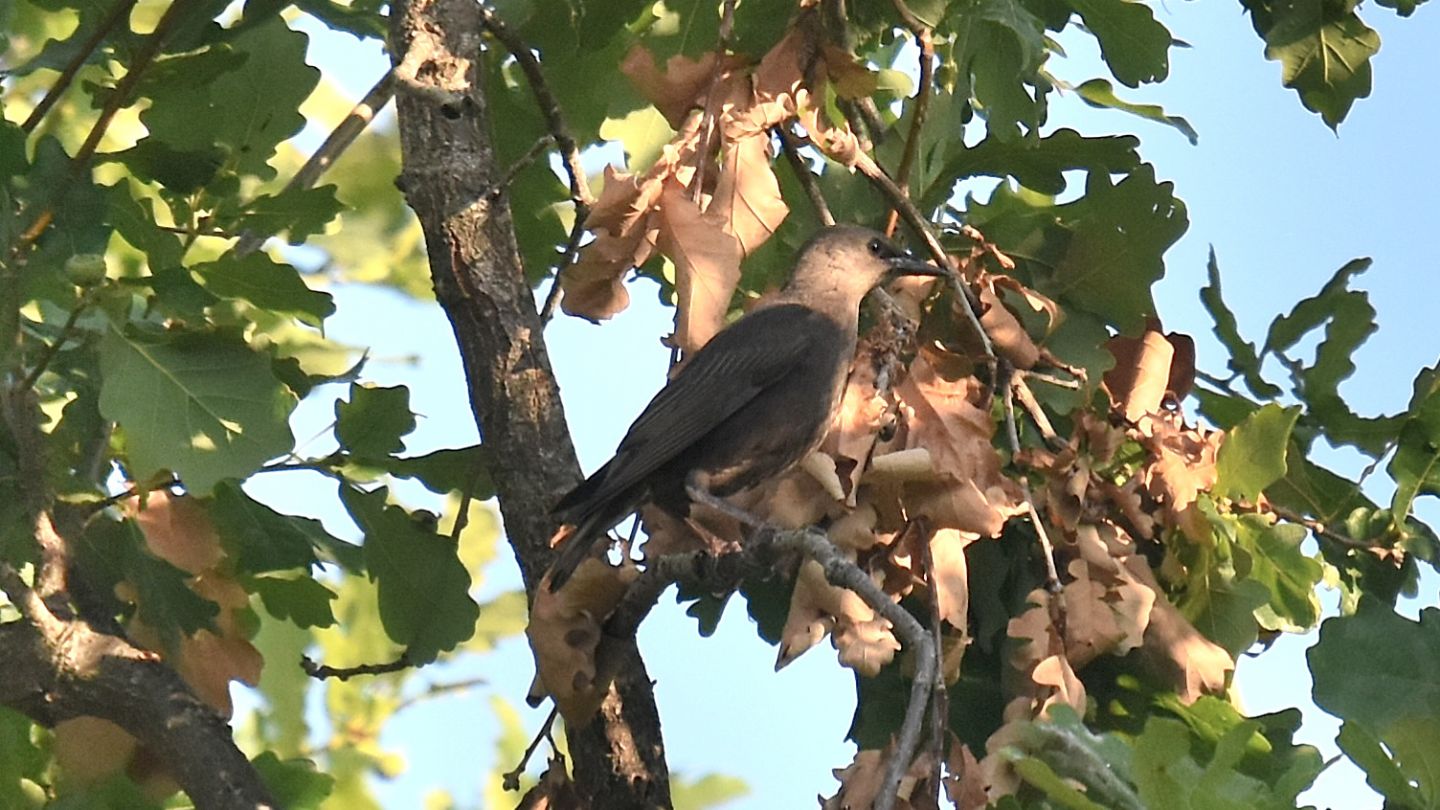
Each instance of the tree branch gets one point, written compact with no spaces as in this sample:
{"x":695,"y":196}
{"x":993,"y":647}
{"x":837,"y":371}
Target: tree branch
{"x":118,"y":13}
{"x":116,"y":99}
{"x":335,"y":144}
{"x":449,"y":164}
{"x":725,"y":572}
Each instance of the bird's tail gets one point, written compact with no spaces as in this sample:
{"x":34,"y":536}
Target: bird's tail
{"x":578,"y":541}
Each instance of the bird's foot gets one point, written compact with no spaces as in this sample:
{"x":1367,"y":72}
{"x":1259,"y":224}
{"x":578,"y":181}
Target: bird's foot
{"x":704,"y":497}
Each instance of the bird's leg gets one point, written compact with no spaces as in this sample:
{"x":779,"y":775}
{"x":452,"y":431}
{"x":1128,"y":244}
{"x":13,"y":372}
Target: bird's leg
{"x":701,"y":495}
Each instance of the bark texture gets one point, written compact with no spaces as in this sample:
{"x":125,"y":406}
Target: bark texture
{"x":449,"y":168}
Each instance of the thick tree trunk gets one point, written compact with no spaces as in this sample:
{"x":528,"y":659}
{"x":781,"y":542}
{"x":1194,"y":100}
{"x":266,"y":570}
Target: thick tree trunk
{"x":449,"y":166}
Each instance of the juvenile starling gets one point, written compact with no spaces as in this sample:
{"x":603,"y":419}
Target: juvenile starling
{"x":751,"y":404}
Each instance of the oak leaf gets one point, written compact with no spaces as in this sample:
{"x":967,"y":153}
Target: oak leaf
{"x":565,"y":633}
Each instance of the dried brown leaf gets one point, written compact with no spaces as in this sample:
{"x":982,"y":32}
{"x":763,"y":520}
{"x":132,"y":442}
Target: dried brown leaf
{"x":865,"y":640}
{"x":177,"y":529}
{"x":747,"y":202}
{"x":965,"y":784}
{"x":707,"y":267}
{"x":565,"y":632}
{"x":681,"y":86}
{"x":1141,"y":375}
{"x":1007,"y":334}
{"x":950,"y":576}
{"x":1194,"y":665}
{"x":941,"y":416}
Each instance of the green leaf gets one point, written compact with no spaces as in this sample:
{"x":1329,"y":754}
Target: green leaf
{"x":295,"y":783}
{"x":1243,"y":359}
{"x":1102,"y":252}
{"x":1253,"y":455}
{"x":201,"y":405}
{"x":247,"y":92}
{"x":299,"y":213}
{"x":1039,"y":163}
{"x":1381,"y":772}
{"x":424,"y":600}
{"x":22,"y":763}
{"x":1324,"y":50}
{"x":1277,"y":562}
{"x":180,"y":170}
{"x":1134,"y":44}
{"x":1416,"y":464}
{"x":1381,"y":672}
{"x":1099,"y":93}
{"x":1402,"y":7}
{"x":135,"y":221}
{"x":258,"y":538}
{"x":267,"y":284}
{"x":1169,"y":775}
{"x":374,"y":421}
{"x":297,"y":598}
{"x":112,"y":551}
{"x":461,"y":469}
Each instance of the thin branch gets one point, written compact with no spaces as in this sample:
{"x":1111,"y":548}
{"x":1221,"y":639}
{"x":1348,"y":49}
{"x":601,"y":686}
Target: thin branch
{"x":118,"y":13}
{"x":1037,"y":413}
{"x":530,"y":66}
{"x":440,"y":690}
{"x":511,"y":779}
{"x":52,"y":349}
{"x":1012,"y":435}
{"x":1320,"y":529}
{"x":113,"y":102}
{"x":569,"y":150}
{"x":939,"y":701}
{"x":908,"y":17}
{"x":523,"y":162}
{"x":723,"y":572}
{"x":912,"y":216}
{"x":335,"y":144}
{"x":791,"y":150}
{"x":922,"y":106}
{"x":321,"y":672}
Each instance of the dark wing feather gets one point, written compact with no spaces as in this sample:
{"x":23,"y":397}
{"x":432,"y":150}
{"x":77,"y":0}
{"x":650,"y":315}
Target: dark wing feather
{"x":732,"y":369}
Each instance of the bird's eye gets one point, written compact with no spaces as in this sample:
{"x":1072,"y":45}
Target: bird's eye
{"x":876,"y":247}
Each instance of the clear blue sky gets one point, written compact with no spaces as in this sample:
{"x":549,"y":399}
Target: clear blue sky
{"x":1283,"y":201}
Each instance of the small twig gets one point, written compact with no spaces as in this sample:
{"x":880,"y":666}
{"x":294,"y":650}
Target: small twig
{"x":462,"y":517}
{"x":335,"y":144}
{"x":939,"y":702}
{"x":530,"y":66}
{"x":511,"y":779}
{"x":116,"y":99}
{"x":1320,"y":529}
{"x":321,"y":672}
{"x":912,"y":216}
{"x":569,"y":151}
{"x":922,"y":106}
{"x":843,"y":573}
{"x":439,"y":690}
{"x":1051,"y":379}
{"x":52,"y":349}
{"x":1012,"y":434}
{"x":803,"y":174}
{"x":523,"y":162}
{"x":118,"y":13}
{"x":908,"y":17}
{"x":1037,"y":413}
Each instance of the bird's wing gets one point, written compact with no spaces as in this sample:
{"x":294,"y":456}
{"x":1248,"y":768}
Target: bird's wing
{"x":738,"y":364}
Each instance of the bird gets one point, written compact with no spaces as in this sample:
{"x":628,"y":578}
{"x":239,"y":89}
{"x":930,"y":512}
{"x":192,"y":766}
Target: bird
{"x":749,"y":405}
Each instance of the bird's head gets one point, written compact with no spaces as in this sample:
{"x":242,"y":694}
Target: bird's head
{"x":849,"y":260}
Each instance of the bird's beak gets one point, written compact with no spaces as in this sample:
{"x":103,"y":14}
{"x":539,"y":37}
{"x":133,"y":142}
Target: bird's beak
{"x":911,"y":266}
